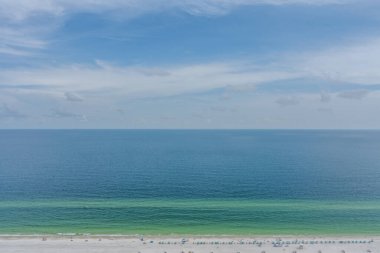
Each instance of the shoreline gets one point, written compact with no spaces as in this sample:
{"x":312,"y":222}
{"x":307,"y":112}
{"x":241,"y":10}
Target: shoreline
{"x":176,"y":236}
{"x":185,"y":244}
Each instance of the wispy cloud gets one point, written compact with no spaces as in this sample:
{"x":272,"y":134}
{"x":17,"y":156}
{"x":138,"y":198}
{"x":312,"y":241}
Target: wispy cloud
{"x":24,"y":87}
{"x":20,"y":40}
{"x":354,"y":94}
{"x":6,"y":50}
{"x":73,"y":97}
{"x":132,"y":82}
{"x":247,"y":87}
{"x":288,"y":101}
{"x":6,"y":112}
{"x":25,"y":23}
{"x":118,"y":81}
{"x":325,"y":97}
{"x":350,"y":62}
{"x":19,"y":10}
{"x":59,"y":113}
{"x":325,"y":110}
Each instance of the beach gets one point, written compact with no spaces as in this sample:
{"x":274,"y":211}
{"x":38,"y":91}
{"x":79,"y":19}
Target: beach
{"x":192,"y":244}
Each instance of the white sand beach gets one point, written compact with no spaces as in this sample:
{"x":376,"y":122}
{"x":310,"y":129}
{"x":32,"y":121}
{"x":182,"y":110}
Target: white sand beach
{"x":118,"y":244}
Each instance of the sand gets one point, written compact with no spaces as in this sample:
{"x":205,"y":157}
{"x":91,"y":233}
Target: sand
{"x":133,"y":244}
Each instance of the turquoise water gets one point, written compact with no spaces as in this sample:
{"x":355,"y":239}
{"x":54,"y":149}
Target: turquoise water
{"x":189,"y":182}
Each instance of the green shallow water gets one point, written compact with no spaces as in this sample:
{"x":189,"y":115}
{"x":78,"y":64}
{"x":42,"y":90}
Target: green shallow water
{"x":186,"y":216}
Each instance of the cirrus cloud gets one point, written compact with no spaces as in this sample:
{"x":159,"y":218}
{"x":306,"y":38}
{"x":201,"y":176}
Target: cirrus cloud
{"x":25,"y":23}
{"x":19,"y":10}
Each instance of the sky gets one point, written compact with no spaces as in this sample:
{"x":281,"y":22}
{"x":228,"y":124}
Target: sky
{"x":203,"y":64}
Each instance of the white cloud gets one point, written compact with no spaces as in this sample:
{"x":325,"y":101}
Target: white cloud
{"x":351,"y":63}
{"x":357,"y":63}
{"x":104,"y":85}
{"x":132,"y":82}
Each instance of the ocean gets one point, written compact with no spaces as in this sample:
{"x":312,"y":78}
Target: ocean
{"x":201,"y":182}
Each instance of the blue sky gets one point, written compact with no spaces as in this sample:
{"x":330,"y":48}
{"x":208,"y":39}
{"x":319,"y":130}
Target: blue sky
{"x":189,"y":64}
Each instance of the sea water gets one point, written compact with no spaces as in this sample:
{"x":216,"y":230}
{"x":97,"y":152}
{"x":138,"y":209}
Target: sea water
{"x":267,"y":182}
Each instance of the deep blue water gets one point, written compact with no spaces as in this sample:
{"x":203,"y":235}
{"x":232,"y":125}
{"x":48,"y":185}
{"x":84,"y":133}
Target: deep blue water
{"x":189,"y":164}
